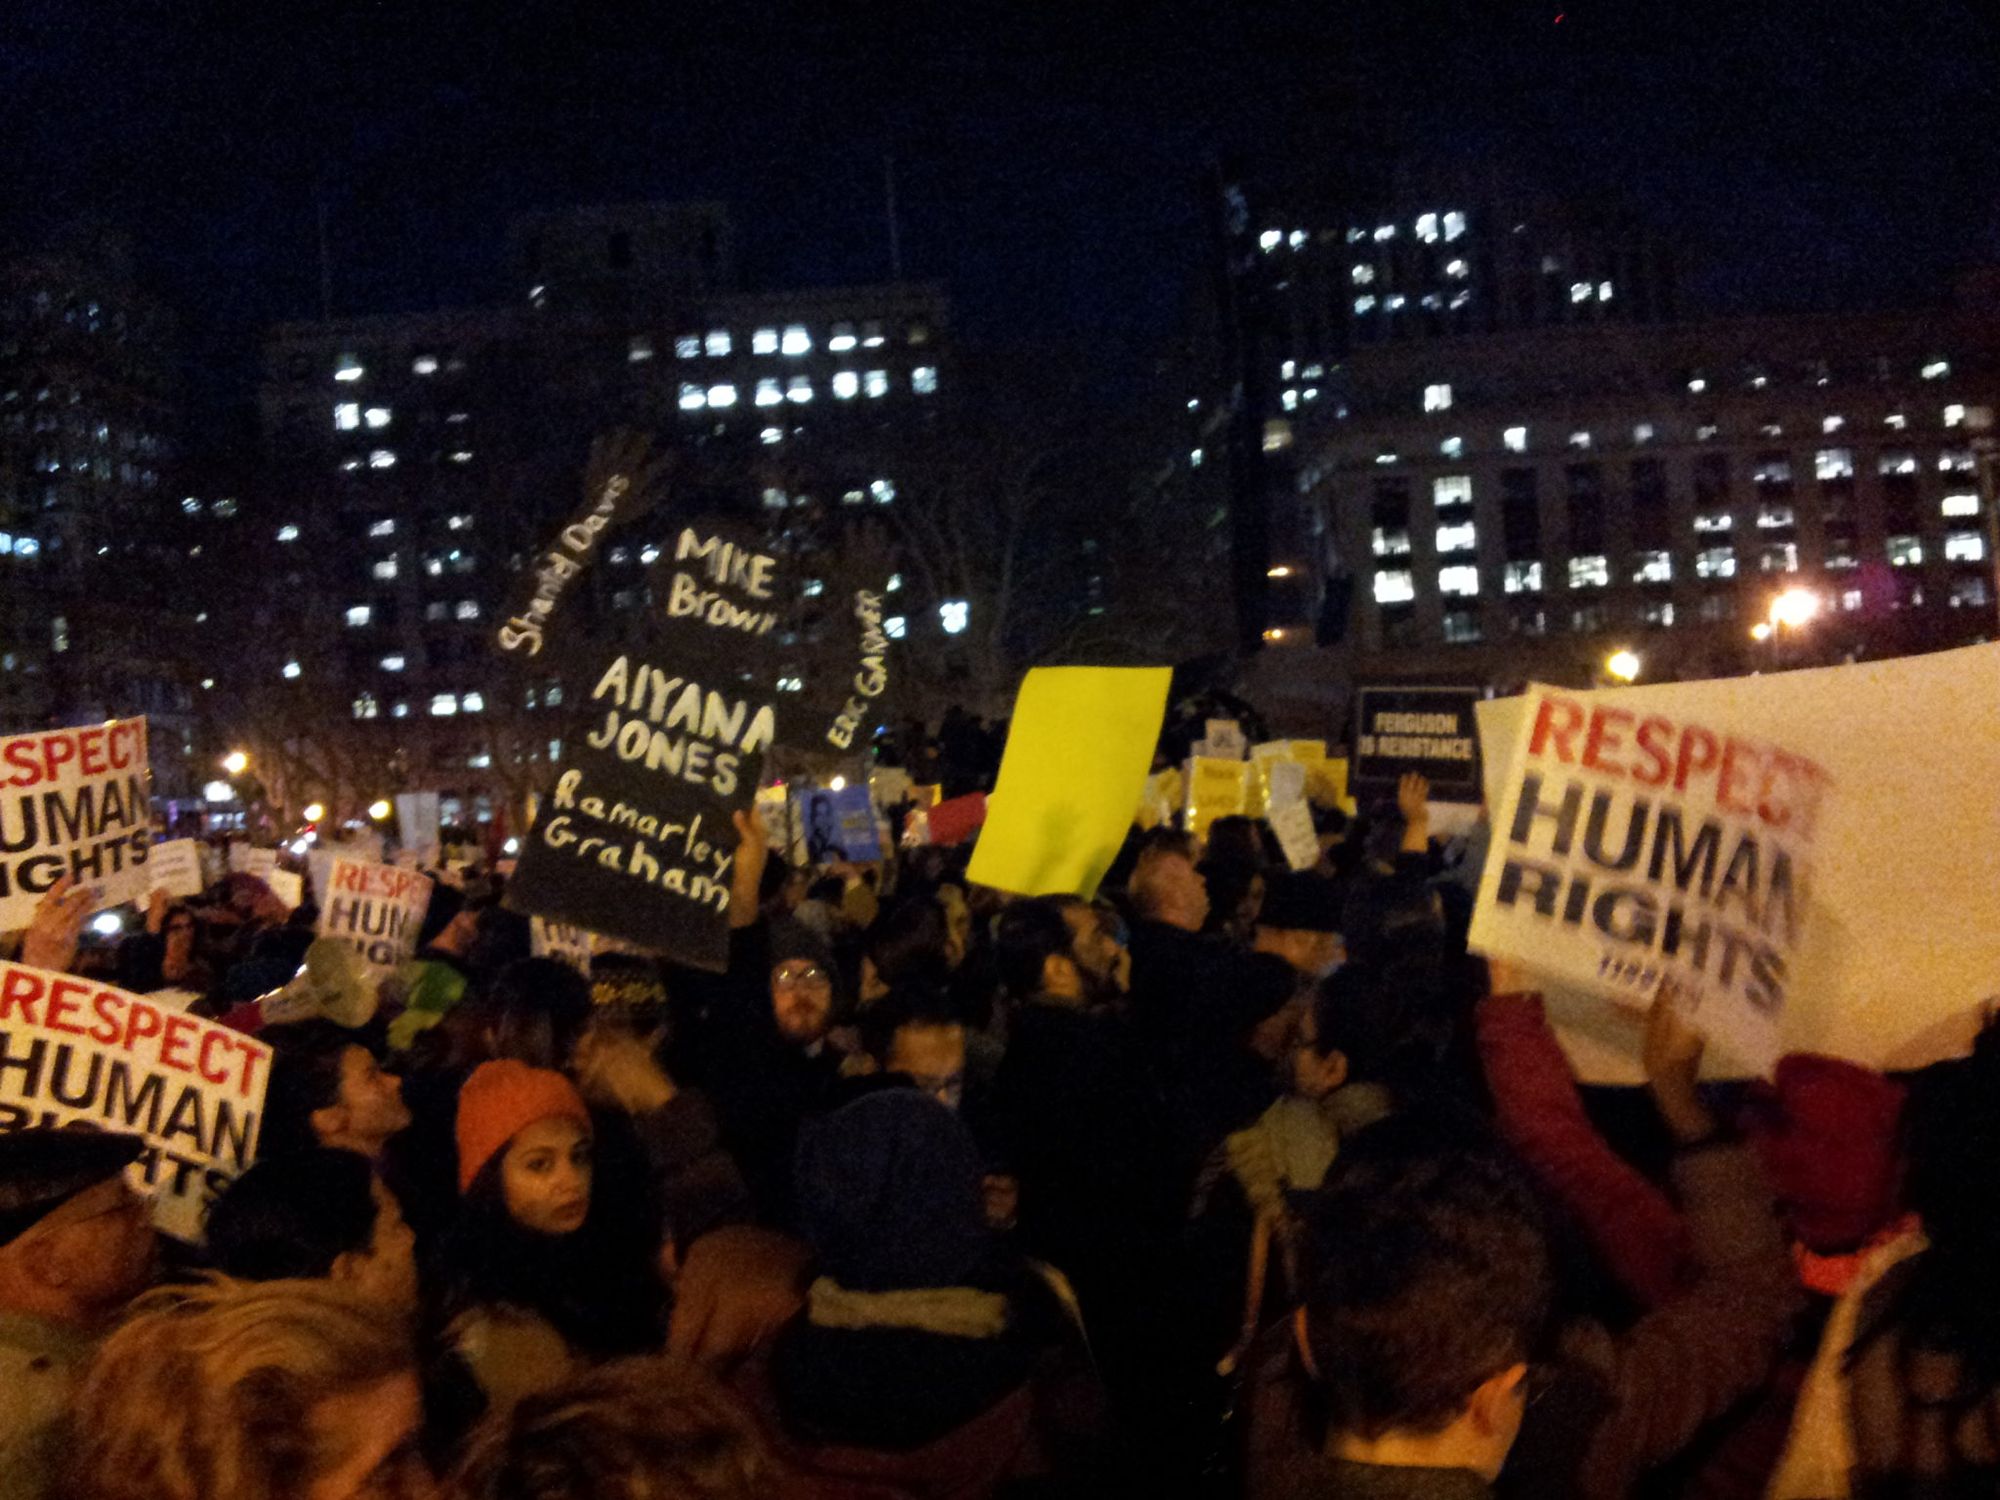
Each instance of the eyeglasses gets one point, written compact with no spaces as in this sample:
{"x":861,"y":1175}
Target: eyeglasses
{"x":800,"y":974}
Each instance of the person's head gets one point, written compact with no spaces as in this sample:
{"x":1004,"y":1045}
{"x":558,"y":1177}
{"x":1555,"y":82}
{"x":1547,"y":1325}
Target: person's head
{"x":801,"y":986}
{"x":327,"y":1089}
{"x":1166,"y":887}
{"x":76,"y":1243}
{"x":320,"y":1215}
{"x":179,"y":930}
{"x":916,"y":1031}
{"x":906,"y":945}
{"x":276,"y":1390}
{"x":536,"y":1009}
{"x":1432,"y":1296}
{"x":634,"y":1429}
{"x":1054,"y":946}
{"x":524,"y":1134}
{"x":890,"y":1194}
{"x":1315,"y":1065}
{"x":1300,"y":922}
{"x":450,"y":922}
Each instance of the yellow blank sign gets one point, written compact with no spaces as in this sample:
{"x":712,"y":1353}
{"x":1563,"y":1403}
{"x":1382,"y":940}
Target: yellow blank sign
{"x":1077,"y":755}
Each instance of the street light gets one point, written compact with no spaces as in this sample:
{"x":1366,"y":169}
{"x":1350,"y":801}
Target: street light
{"x":1794,"y":608}
{"x":1623,"y":665}
{"x":1761,"y":631}
{"x":315,"y":811}
{"x":236,"y":763}
{"x":380,"y":809}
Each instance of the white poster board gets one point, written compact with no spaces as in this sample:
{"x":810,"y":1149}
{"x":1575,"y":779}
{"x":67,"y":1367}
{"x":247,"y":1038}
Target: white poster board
{"x":76,"y":1050}
{"x":176,"y":869}
{"x":375,"y":909}
{"x":562,"y":941}
{"x":1898,"y":926}
{"x":74,"y":802}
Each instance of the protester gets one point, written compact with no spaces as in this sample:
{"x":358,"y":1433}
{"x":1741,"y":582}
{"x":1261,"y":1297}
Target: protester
{"x":427,"y":987}
{"x":915,"y":1033}
{"x":166,"y":956}
{"x":328,"y":1089}
{"x":280,"y":1390}
{"x":320,"y":1214}
{"x":76,"y":1244}
{"x":635,"y":1429}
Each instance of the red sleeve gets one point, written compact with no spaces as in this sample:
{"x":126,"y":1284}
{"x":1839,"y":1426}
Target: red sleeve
{"x":1632,"y":1224}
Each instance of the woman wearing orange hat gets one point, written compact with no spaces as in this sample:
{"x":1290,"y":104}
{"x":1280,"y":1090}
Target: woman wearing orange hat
{"x":534,"y":1283}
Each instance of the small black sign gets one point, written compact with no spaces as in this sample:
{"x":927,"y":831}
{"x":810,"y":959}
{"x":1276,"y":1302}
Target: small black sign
{"x":1429,"y":730}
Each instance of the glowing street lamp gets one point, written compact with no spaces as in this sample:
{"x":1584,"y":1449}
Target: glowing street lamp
{"x":380,"y":809}
{"x":314,"y":811}
{"x":236,"y":763}
{"x":1794,"y":608}
{"x":1761,"y":631}
{"x":1622,"y":666}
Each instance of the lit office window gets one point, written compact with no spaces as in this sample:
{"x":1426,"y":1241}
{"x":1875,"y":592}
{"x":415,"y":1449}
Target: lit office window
{"x":382,"y":458}
{"x":923,"y":380}
{"x":443,"y":705}
{"x":1437,"y":398}
{"x":1427,"y":228}
{"x":687,"y":346}
{"x":1778,"y":557}
{"x":638,"y":349}
{"x":843,"y":338}
{"x":1395,"y":586}
{"x":1462,"y":580}
{"x":1720,"y":520}
{"x":1775,"y":517}
{"x":1579,"y":439}
{"x":288,"y":533}
{"x":1387,"y":543}
{"x":1364,"y":274}
{"x":796,"y":340}
{"x":1592,"y":572}
{"x":1715,"y":562}
{"x":799,"y":390}
{"x":1896,"y":461}
{"x":1832,"y":423}
{"x":769,"y":393}
{"x":1521,"y":578}
{"x":1905,"y":551}
{"x":876,"y":383}
{"x":424,"y":364}
{"x":472,"y":703}
{"x":717,"y":344}
{"x":468,"y":609}
{"x":1448,"y":490}
{"x":1954,"y":415}
{"x":359,"y":615}
{"x":722,"y":395}
{"x":846,"y":385}
{"x":1365,"y":304}
{"x":384,"y":569}
{"x":1454,"y":225}
{"x":1452,"y":447}
{"x":347,"y":416}
{"x":764,"y":341}
{"x":392,"y":663}
{"x":1959,"y":505}
{"x":871,"y":334}
{"x":1657,"y":612}
{"x":1964,"y":546}
{"x":1642,"y":432}
{"x":365,"y":706}
{"x":1515,"y":439}
{"x":1579,"y":291}
{"x":1654,"y":567}
{"x":1957,"y":461}
{"x":348,"y":369}
{"x":1936,"y":369}
{"x":1896,"y":422}
{"x":1459,"y":538}
{"x":1833,"y":463}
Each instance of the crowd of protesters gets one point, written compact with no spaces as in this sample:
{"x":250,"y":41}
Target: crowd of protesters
{"x":1237,"y":1180}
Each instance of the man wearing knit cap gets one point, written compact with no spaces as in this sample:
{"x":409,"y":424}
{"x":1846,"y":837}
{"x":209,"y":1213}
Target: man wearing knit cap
{"x":76,"y":1245}
{"x":1300,"y":922}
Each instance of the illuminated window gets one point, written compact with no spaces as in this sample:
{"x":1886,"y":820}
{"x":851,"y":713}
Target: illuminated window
{"x":1364,"y":304}
{"x":1515,"y":439}
{"x":1954,"y":415}
{"x":365,"y":706}
{"x":1937,"y":369}
{"x":1654,"y":567}
{"x":1454,"y":225}
{"x":1775,"y":517}
{"x":770,"y":437}
{"x":954,"y":615}
{"x":764,"y":341}
{"x":1290,"y":398}
{"x":1850,"y":599}
{"x":1579,"y":291}
{"x":359,"y":615}
{"x":1459,"y":538}
{"x":1386,"y":456}
{"x":1437,"y":398}
{"x":382,"y":458}
{"x":1896,"y":422}
{"x":722,"y":395}
{"x":638,"y":349}
{"x":443,"y":705}
{"x":384,"y":569}
{"x":1448,"y":490}
{"x":1452,"y":447}
{"x":896,"y":627}
{"x":288,"y":533}
{"x":769,"y":393}
{"x":1603,"y":291}
{"x":1521,"y":578}
{"x":1385,"y":232}
{"x":1832,"y":424}
{"x":882,"y":490}
{"x":1427,"y":228}
{"x":1395,"y":586}
{"x":1458,"y":270}
{"x":1719,"y":520}
{"x":1833,"y":463}
{"x":1772,"y":469}
{"x":392,"y":663}
{"x":1778,"y":557}
{"x":1905,"y":551}
{"x":799,"y":390}
{"x":717,"y":344}
{"x":1462,"y":580}
{"x":687,"y":346}
{"x":843,"y":338}
{"x":875,"y":383}
{"x":1959,"y":505}
{"x":1461,"y":627}
{"x":1642,"y":432}
{"x":796,"y":340}
{"x":347,"y":416}
{"x":1706,"y":432}
{"x":1697,"y":385}
{"x":1394,"y":302}
{"x":1390,"y":543}
{"x":1715,"y":562}
{"x":1964,"y":546}
{"x":1956,"y":461}
{"x":1593,"y":572}
{"x":693,"y":397}
{"x":1896,"y":461}
{"x":1967,"y":591}
{"x":472,"y":703}
{"x":923,"y":380}
{"x":846,"y":385}
{"x":348,"y":369}
{"x":1579,"y":439}
{"x":1364,"y":275}
{"x":424,"y":364}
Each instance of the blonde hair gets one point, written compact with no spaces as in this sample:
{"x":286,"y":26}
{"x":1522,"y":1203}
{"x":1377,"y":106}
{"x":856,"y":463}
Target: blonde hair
{"x":206,"y":1392}
{"x":635,"y":1429}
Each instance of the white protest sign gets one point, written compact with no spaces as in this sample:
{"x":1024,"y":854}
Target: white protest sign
{"x":75,"y":1050}
{"x":1226,"y":740}
{"x":561,"y":941}
{"x":375,"y":909}
{"x":287,"y":886}
{"x":246,"y":859}
{"x":1284,"y":782}
{"x":1293,"y":824}
{"x":418,"y":815}
{"x":74,"y":802}
{"x":1897,"y":938}
{"x":212,"y":867}
{"x":176,"y":868}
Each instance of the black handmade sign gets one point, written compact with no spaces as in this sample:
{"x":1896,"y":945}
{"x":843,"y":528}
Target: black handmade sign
{"x":1427,"y":730}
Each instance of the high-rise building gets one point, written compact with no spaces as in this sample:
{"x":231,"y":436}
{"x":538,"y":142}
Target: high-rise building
{"x":417,"y":460}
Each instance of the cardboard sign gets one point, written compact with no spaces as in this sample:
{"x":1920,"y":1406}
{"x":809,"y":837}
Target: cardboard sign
{"x":561,"y":941}
{"x":247,"y":859}
{"x":288,"y":886}
{"x":74,"y":802}
{"x":1293,"y":824}
{"x":176,"y":869}
{"x":1902,"y":947}
{"x":840,"y":825}
{"x":1226,"y":740}
{"x":637,"y":839}
{"x":75,"y":1050}
{"x":1078,"y":750}
{"x":377,"y":910}
{"x":1428,"y":730}
{"x":869,"y":678}
{"x":1216,"y":789}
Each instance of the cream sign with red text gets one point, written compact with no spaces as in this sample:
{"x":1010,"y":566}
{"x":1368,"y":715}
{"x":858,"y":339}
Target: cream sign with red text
{"x":74,"y":802}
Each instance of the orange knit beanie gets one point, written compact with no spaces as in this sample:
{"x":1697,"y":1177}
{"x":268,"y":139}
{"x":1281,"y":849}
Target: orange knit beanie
{"x":499,"y":1101}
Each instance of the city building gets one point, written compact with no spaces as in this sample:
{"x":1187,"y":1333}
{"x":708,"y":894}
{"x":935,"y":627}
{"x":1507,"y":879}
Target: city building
{"x":1523,"y":500}
{"x":416,"y":461}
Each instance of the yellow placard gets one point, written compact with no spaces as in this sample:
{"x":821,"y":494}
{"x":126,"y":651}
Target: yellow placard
{"x":1326,"y":784}
{"x":1216,"y":789}
{"x":1078,"y":750}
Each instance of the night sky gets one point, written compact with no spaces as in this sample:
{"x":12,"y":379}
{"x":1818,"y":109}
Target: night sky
{"x":1048,"y":153}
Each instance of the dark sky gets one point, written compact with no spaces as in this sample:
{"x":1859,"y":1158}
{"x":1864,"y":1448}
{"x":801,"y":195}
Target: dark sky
{"x":1048,"y":152}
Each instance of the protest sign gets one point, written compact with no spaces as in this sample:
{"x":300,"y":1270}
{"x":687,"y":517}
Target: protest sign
{"x":375,"y":909}
{"x":1427,"y":730}
{"x":561,"y":941}
{"x":891,"y":786}
{"x":288,"y":886}
{"x":636,"y":839}
{"x":74,"y":802}
{"x":1293,"y":824}
{"x":1216,"y":789}
{"x":248,"y":859}
{"x":1078,"y":750}
{"x":176,"y":869}
{"x":840,"y":825}
{"x":862,"y":686}
{"x":75,"y":1050}
{"x":1226,"y":740}
{"x":1902,"y":944}
{"x":418,"y":817}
